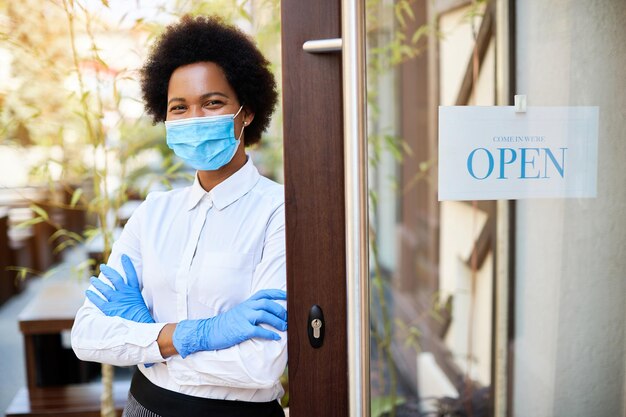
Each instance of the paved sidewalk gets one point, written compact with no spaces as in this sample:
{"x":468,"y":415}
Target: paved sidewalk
{"x":12,"y":367}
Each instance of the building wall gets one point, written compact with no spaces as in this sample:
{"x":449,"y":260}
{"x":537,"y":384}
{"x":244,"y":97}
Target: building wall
{"x":570,"y":335}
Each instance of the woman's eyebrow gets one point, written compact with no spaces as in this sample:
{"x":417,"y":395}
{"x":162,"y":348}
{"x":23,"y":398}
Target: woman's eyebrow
{"x":213,"y":93}
{"x":175,"y":99}
{"x":202,"y":97}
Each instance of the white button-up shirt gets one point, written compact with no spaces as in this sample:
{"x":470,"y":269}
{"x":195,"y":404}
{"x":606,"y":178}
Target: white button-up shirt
{"x":198,"y":254}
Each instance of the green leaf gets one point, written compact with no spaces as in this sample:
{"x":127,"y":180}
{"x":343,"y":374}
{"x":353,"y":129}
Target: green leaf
{"x":166,"y":183}
{"x":41,"y":212}
{"x":29,"y":222}
{"x":63,"y":245}
{"x":174,"y":168}
{"x":392,"y":145}
{"x":406,"y":148}
{"x":421,"y":31}
{"x":67,"y":233}
{"x":383,"y":404}
{"x":373,"y":198}
{"x":244,"y":13}
{"x":407,"y":9}
{"x":76,"y":196}
{"x":91,"y":233}
{"x":22,"y":271}
{"x":101,"y":61}
{"x":399,"y":16}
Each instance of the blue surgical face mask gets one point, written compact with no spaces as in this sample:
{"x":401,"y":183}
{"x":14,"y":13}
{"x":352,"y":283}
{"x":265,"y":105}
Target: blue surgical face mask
{"x":205,"y":143}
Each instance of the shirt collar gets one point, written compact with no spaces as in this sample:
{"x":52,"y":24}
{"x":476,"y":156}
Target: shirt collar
{"x":227,"y":191}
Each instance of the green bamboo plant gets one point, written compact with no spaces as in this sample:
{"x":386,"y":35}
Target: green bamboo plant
{"x":68,"y":91}
{"x":397,"y":45}
{"x":391,"y":42}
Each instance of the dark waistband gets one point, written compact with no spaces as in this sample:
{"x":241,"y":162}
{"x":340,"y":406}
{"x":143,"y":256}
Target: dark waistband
{"x":174,"y":404}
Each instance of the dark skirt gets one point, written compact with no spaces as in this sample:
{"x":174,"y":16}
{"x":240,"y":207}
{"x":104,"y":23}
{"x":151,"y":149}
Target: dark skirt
{"x":148,"y":400}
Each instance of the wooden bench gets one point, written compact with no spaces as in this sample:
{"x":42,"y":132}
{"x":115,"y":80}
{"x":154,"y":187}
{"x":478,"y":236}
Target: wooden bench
{"x":42,"y":322}
{"x":81,"y":400}
{"x":48,"y":365}
{"x":32,"y":239}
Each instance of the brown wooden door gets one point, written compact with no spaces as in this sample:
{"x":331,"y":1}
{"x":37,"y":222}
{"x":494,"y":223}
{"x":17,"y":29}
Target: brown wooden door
{"x":314,"y":191}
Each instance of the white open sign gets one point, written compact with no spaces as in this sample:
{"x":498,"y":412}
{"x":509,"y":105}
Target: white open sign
{"x":490,"y":153}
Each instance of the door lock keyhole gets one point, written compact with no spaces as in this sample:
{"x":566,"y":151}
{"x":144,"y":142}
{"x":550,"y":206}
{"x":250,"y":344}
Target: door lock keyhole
{"x":315,"y":327}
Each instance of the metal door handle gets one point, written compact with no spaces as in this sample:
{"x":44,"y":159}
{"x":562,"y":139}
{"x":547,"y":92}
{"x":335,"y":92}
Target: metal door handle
{"x":357,"y":224}
{"x":320,"y":46}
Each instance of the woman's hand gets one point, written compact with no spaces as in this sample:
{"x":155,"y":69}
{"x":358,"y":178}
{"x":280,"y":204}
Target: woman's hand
{"x":125,"y":299}
{"x":233,"y":326}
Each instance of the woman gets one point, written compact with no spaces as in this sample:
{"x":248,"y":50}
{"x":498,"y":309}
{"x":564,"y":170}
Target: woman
{"x":201,"y":311}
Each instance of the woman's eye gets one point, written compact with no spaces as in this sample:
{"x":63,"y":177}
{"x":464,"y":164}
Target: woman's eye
{"x":213,"y":103}
{"x":178,"y":107}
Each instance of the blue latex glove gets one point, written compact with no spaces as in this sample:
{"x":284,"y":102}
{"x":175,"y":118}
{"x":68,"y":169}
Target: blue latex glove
{"x":233,"y":326}
{"x":125,"y":300}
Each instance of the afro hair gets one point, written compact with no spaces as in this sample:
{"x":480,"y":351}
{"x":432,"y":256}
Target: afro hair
{"x":210,"y":39}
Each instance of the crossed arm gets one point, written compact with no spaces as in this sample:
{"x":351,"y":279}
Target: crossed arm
{"x":225,"y":330}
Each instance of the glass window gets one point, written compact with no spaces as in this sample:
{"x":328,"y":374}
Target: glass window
{"x":453,"y":330}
